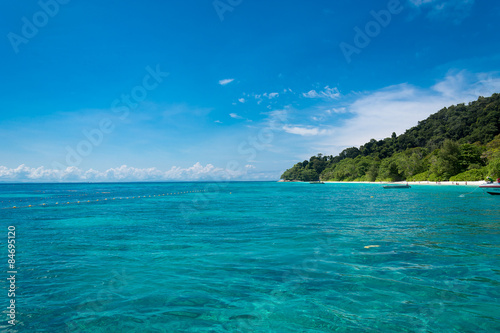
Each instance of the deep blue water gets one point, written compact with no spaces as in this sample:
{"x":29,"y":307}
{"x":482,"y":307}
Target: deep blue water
{"x":252,"y":257}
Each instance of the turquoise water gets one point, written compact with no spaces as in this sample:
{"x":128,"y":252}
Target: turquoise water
{"x":252,"y":257}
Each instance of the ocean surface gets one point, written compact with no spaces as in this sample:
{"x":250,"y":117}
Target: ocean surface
{"x":251,"y":257}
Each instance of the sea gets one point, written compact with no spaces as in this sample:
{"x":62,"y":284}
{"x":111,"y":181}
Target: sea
{"x":248,"y":257}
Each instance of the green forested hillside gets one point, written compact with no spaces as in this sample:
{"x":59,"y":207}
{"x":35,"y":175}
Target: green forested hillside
{"x":461,"y":142}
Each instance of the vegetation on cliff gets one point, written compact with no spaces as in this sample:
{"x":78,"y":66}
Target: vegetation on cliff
{"x":461,"y":142}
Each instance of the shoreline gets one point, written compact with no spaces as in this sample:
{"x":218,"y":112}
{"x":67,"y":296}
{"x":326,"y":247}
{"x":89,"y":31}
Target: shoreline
{"x":426,"y":183}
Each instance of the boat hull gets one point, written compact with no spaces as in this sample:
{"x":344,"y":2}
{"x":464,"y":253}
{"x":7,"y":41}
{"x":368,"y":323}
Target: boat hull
{"x":493,"y":193}
{"x":397,"y":186}
{"x":493,"y":189}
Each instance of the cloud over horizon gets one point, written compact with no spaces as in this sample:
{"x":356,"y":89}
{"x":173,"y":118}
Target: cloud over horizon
{"x":197,"y":172}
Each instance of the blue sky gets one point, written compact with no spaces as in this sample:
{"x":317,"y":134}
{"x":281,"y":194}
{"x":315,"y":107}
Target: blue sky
{"x":226,"y":89}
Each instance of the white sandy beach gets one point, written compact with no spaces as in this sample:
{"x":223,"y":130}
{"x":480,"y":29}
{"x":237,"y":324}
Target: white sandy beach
{"x":464,"y":183}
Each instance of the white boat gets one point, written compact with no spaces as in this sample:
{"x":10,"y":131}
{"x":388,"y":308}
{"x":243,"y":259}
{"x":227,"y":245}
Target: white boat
{"x":491,"y":188}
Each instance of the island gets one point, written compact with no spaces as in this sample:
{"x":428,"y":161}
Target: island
{"x":457,"y":143}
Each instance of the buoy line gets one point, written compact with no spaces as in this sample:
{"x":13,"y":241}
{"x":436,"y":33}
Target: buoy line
{"x":101,"y":199}
{"x":464,"y":194}
{"x":56,"y":197}
{"x":61,"y":197}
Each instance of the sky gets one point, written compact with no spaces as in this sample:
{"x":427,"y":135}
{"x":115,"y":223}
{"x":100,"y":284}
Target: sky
{"x":226,"y":89}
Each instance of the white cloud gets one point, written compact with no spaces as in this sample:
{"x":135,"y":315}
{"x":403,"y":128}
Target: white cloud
{"x":327,"y":93}
{"x":270,"y":95}
{"x":400,"y":107}
{"x":311,"y":94}
{"x":260,"y":97}
{"x":24,"y":173}
{"x":241,"y":100}
{"x":305,"y":131}
{"x":235,"y":116}
{"x":225,"y":81}
{"x":337,"y":110}
{"x":326,"y":114}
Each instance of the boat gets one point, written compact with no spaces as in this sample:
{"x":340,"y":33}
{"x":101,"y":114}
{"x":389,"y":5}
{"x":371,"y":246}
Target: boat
{"x":491,"y":187}
{"x":397,"y":186}
{"x":317,"y":182}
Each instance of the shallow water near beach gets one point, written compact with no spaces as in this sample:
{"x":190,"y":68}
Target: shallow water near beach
{"x":252,"y":257}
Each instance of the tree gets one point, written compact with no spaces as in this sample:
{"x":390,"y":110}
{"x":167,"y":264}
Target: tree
{"x":389,"y":170}
{"x":447,"y":162}
{"x":492,"y":149}
{"x":309,"y":175}
{"x":352,"y":152}
{"x":470,"y":157}
{"x":411,"y":162}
